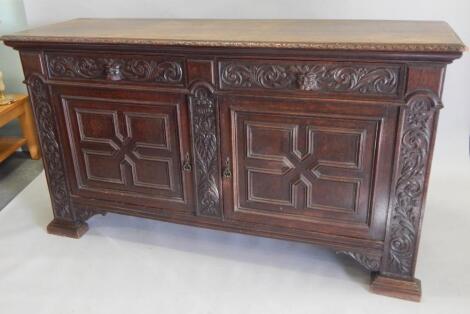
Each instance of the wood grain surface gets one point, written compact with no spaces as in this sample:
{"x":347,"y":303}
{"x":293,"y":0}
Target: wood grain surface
{"x":312,"y":34}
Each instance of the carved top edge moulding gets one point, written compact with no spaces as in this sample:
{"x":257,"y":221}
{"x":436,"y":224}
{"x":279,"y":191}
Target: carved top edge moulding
{"x":412,"y":36}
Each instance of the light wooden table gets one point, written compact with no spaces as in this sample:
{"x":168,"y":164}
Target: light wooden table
{"x":19,"y":109}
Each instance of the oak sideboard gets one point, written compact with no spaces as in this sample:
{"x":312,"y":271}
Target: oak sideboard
{"x":318,"y":131}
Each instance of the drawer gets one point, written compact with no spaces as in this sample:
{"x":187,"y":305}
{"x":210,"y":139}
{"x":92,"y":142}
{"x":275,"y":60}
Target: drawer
{"x":313,"y":77}
{"x":116,"y":68}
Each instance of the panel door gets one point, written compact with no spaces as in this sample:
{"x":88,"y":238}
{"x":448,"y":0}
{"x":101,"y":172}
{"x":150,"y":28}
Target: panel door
{"x":127,"y":147}
{"x":307,"y":164}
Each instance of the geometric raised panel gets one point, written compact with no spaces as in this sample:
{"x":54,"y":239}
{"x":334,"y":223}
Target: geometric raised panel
{"x":148,"y":129}
{"x":335,"y":146}
{"x":145,"y":132}
{"x":304,"y":165}
{"x":125,"y":148}
{"x":294,"y":163}
{"x":324,"y":194}
{"x":97,"y":125}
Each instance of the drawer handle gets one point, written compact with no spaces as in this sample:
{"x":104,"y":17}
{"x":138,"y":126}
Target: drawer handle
{"x":227,"y":171}
{"x":187,"y":164}
{"x":113,"y":72}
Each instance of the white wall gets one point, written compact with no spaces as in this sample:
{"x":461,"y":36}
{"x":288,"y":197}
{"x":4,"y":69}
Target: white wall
{"x":12,"y":19}
{"x":454,"y":129}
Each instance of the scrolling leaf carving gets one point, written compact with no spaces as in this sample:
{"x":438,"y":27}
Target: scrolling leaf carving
{"x":321,"y":77}
{"x":369,"y":262}
{"x":205,"y":143}
{"x":50,"y":147}
{"x":410,"y":183}
{"x":131,"y":69}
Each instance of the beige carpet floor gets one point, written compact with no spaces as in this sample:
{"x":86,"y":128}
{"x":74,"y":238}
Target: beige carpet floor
{"x":132,"y":265}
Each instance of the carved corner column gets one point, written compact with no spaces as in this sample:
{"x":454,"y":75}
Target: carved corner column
{"x":66,"y":222}
{"x":418,"y":119}
{"x":205,"y":143}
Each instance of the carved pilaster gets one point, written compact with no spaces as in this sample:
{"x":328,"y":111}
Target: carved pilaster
{"x":52,"y":159}
{"x":418,"y":119}
{"x":203,"y":107}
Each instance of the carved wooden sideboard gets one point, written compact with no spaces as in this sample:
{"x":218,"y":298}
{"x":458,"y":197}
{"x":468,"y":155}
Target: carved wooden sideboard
{"x":312,"y":131}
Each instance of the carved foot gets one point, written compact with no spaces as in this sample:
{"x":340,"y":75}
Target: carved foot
{"x":397,"y":288}
{"x":67,"y":228}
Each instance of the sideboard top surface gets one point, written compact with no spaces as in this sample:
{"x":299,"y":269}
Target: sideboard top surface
{"x":419,"y":36}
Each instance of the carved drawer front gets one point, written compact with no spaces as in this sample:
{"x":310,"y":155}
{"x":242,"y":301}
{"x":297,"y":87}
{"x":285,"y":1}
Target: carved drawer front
{"x":122,"y":68}
{"x":365,"y":79}
{"x":129,"y":151}
{"x":307,"y":170}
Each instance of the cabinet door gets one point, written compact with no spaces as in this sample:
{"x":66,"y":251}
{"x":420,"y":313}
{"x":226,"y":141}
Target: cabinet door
{"x":318,"y":166}
{"x":126,"y":147}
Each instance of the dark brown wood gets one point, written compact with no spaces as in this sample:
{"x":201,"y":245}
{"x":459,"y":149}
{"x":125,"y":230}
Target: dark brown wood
{"x":371,"y":35}
{"x":306,"y":164}
{"x":403,"y":289}
{"x":367,"y":79}
{"x":205,"y":138}
{"x":131,"y":148}
{"x":115,"y":67}
{"x":307,"y":143}
{"x":67,"y":228}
